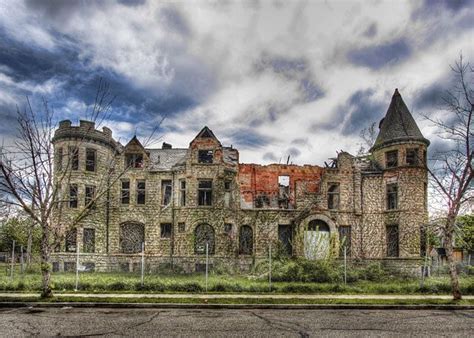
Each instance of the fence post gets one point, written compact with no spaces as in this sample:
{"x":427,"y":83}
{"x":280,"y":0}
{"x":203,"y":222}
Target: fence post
{"x":13,"y":260}
{"x":77,"y":267}
{"x":270,"y":266}
{"x":207,"y":262}
{"x":345,"y":264}
{"x":21,"y":260}
{"x":143,"y":262}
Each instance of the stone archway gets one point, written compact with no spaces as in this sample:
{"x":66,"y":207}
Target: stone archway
{"x":317,"y":236}
{"x":204,"y":234}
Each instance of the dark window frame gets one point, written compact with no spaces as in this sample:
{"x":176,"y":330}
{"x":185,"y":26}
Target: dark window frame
{"x":73,"y":196}
{"x":124,"y":192}
{"x":181,"y":227}
{"x":70,"y":244}
{"x":411,"y":156}
{"x":245,"y":240}
{"x":205,"y":193}
{"x":88,"y":240}
{"x":345,"y":238}
{"x":74,"y":157}
{"x":134,"y":160}
{"x":392,"y":196}
{"x":182,"y":192}
{"x":166,"y":192}
{"x":89,"y":195}
{"x":91,"y":159}
{"x":391,"y":159}
{"x":334,"y":195}
{"x":166,"y":230}
{"x":205,"y":156}
{"x":393,"y":240}
{"x":141,"y":192}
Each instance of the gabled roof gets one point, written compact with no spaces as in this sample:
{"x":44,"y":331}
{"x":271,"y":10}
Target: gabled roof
{"x":134,"y":142}
{"x":206,"y":133}
{"x":398,"y":125}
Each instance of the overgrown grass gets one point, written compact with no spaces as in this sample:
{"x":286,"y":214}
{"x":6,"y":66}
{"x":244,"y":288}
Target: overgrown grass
{"x":115,"y":282}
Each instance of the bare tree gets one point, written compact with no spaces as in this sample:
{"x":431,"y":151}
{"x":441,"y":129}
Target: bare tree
{"x":451,"y":170}
{"x":32,"y":182}
{"x":368,"y":136}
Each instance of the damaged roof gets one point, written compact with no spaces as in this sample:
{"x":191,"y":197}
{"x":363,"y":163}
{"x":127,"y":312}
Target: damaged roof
{"x":166,"y":159}
{"x":398,"y":125}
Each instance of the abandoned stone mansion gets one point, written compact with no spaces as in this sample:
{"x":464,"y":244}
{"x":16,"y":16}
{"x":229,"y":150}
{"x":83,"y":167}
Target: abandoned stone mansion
{"x":177,"y":203}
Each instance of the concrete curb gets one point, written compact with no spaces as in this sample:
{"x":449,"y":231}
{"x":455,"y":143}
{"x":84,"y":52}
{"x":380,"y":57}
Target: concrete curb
{"x":234,"y":306}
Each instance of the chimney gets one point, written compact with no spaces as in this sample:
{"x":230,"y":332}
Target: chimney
{"x":64,"y":124}
{"x":166,"y":146}
{"x":87,"y":124}
{"x":107,"y":132}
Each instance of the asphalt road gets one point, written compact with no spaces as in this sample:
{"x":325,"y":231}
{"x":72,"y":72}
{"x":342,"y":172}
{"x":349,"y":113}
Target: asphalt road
{"x":257,"y":323}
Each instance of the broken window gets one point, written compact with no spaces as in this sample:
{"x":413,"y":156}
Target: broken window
{"x":246,"y":240}
{"x":182,"y":193}
{"x":59,"y":159}
{"x":181,"y":227}
{"x":165,"y":230}
{"x":90,"y":159}
{"x":89,"y":197}
{"x":412,"y":156}
{"x":71,"y":241}
{"x":166,"y":190}
{"x":205,"y":192}
{"x":205,"y":156}
{"x":132,"y":235}
{"x":74,"y":158}
{"x":262,"y":201}
{"x":204,"y":234}
{"x":333,"y":196}
{"x":284,"y":191}
{"x":73,"y":196}
{"x":392,"y":240}
{"x":134,"y":160}
{"x":125,"y":192}
{"x":88,"y":240}
{"x":141,"y":192}
{"x":392,"y":196}
{"x":345,"y":240}
{"x":391,"y":159}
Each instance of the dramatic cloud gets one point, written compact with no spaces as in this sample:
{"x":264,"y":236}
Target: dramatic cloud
{"x":273,"y":78}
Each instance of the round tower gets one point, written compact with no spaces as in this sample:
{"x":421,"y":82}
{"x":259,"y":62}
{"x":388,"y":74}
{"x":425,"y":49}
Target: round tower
{"x":400,"y":151}
{"x":83,"y":157}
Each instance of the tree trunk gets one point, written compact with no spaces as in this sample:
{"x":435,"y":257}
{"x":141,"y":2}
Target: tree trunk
{"x":448,"y":245}
{"x":46,"y":291}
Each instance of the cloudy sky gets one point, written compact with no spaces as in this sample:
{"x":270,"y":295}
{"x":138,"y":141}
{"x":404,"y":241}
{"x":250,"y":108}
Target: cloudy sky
{"x":273,"y":78}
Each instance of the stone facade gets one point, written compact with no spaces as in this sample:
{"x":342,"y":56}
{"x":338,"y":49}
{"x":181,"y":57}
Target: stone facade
{"x":177,"y":200}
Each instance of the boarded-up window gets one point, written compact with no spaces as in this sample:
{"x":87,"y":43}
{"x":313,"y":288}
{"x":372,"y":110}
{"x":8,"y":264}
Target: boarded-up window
{"x":73,"y":196}
{"x":392,"y":240}
{"x":392,"y":196}
{"x":71,"y":241}
{"x":205,"y":192}
{"x":245,"y":240}
{"x":166,"y":190}
{"x":205,"y":156}
{"x":141,"y":192}
{"x":345,"y":240}
{"x":391,"y":158}
{"x":125,"y":192}
{"x":132,"y":235}
{"x":88,"y":240}
{"x":333,"y":196}
{"x":90,"y":159}
{"x":204,"y":234}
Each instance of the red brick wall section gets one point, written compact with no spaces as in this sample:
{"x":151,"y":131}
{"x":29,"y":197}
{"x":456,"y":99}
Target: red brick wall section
{"x":257,"y":179}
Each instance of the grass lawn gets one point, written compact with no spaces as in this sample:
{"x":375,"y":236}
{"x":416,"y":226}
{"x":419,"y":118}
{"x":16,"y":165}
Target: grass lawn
{"x":195,"y":283}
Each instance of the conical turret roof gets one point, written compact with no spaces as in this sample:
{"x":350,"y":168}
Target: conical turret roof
{"x":398,"y":125}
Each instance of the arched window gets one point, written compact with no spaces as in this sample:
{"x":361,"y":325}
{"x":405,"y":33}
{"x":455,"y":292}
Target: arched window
{"x":318,"y":225}
{"x":204,"y":234}
{"x":132,"y":235}
{"x":245,"y":240}
{"x":316,"y":240}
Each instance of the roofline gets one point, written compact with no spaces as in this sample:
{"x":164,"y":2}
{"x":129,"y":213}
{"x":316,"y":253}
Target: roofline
{"x":398,"y":140}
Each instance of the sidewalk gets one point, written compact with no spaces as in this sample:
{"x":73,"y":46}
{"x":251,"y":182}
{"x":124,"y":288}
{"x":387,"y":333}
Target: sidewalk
{"x":233,"y":296}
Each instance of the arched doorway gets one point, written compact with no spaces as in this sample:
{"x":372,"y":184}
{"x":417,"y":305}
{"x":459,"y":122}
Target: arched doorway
{"x":204,"y":234}
{"x":317,"y":239}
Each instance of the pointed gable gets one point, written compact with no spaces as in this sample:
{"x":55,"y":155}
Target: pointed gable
{"x":135,"y":145}
{"x":207,"y":136}
{"x":398,"y":125}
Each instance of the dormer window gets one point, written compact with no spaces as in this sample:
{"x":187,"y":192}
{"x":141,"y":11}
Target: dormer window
{"x":134,"y":160}
{"x":205,"y":156}
{"x":391,"y":159}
